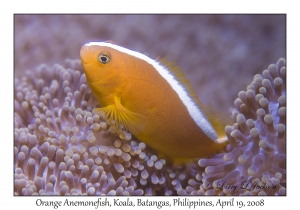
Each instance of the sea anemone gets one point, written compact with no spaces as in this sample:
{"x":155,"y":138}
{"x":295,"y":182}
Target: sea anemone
{"x":255,"y":160}
{"x":62,"y":148}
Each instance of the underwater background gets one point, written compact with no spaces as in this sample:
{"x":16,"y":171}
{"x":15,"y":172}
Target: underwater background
{"x":220,"y":54}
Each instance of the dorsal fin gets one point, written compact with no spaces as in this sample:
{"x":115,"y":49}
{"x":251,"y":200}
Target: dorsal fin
{"x":180,"y":76}
{"x":219,"y":120}
{"x":110,"y":41}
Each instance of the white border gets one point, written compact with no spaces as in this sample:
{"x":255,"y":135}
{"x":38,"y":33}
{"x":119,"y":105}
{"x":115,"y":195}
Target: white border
{"x":230,"y":6}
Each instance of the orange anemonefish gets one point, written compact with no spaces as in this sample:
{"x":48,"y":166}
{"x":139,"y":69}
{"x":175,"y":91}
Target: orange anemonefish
{"x":153,"y":100}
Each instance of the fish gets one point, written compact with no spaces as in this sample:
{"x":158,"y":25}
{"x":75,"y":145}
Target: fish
{"x":154,"y":101}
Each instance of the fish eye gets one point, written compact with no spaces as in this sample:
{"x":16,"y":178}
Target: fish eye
{"x":104,"y":57}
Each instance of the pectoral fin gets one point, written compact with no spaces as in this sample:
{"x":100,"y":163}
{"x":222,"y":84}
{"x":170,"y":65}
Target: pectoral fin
{"x":133,"y":122}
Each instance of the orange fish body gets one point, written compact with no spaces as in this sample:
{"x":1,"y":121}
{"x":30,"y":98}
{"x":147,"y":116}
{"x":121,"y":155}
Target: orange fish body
{"x":152,"y":101}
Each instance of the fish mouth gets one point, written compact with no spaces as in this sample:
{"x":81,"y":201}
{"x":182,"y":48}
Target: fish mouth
{"x":84,"y":51}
